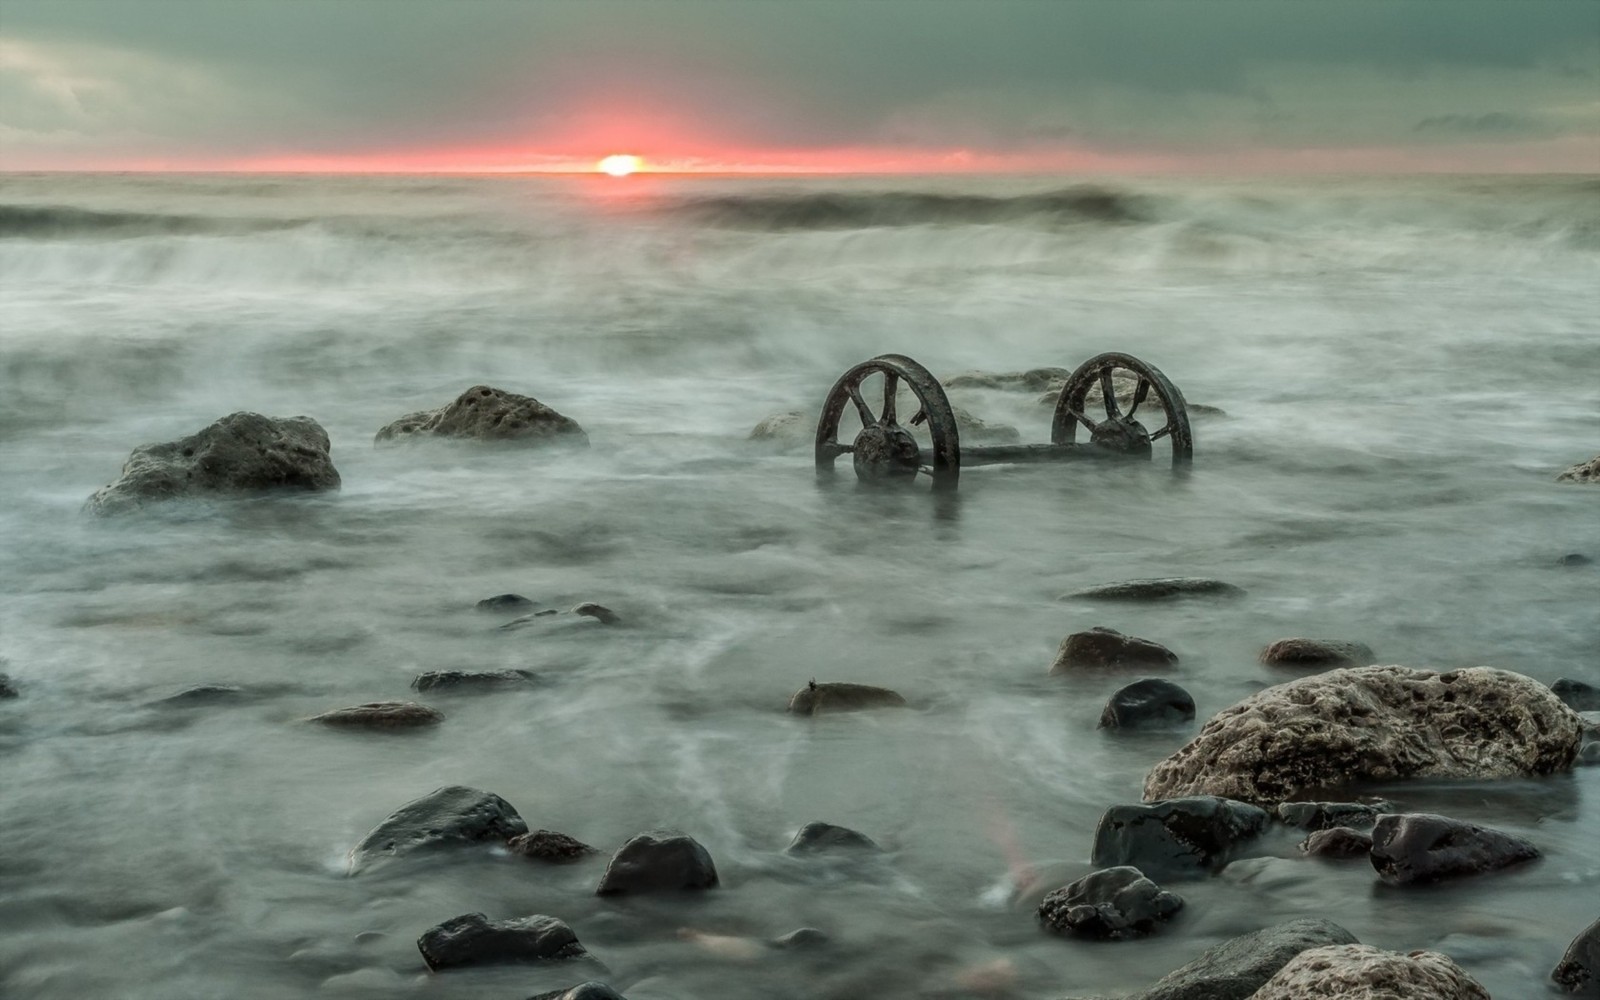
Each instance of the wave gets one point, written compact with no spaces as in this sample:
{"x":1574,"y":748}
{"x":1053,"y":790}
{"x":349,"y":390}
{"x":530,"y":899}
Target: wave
{"x":848,"y":210}
{"x":66,"y":222}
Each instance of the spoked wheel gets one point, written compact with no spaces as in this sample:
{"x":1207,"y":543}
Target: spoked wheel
{"x":884,"y":449}
{"x":1133,"y":424}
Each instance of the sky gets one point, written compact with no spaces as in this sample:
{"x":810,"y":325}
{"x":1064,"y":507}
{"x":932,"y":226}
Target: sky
{"x":802,"y":85}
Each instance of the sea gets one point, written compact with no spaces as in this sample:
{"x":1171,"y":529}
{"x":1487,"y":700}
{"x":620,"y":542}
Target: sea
{"x":1393,"y":372}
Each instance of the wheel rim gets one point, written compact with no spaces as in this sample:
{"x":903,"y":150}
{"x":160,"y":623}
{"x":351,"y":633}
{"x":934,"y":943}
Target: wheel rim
{"x":884,"y":450}
{"x":1123,"y":386}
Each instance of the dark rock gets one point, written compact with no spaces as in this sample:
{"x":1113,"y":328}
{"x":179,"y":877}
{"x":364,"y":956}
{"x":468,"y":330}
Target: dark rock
{"x":1157,"y":590}
{"x":1337,"y":842}
{"x":382,"y":715}
{"x":1583,"y":472}
{"x":242,"y":453}
{"x":658,"y":861}
{"x":1577,"y":695}
{"x":597,"y":611}
{"x":1111,"y":903}
{"x":1102,"y":647}
{"x":1316,"y":653}
{"x":1358,"y":972}
{"x":1421,"y":847}
{"x":548,"y":845}
{"x":205,"y":694}
{"x":818,"y":836}
{"x":801,"y":938}
{"x":1326,"y":815}
{"x":446,"y":816}
{"x":1376,"y":724}
{"x":583,"y":991}
{"x":1579,"y":969}
{"x":1150,"y":702}
{"x":467,"y":680}
{"x":473,"y":939}
{"x":1032,"y":380}
{"x":504,"y":602}
{"x":7,"y":688}
{"x":487,"y":414}
{"x":1177,"y":837}
{"x":1236,"y":969}
{"x":1574,"y":559}
{"x":821,"y":699}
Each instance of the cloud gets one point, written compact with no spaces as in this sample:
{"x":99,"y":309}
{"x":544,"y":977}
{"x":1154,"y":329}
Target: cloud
{"x":1492,"y":123}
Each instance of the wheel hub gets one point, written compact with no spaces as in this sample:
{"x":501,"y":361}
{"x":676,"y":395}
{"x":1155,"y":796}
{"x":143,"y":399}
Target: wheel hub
{"x":885,"y":453}
{"x":1122,"y":435}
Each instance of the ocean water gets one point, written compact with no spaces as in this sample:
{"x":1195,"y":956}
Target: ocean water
{"x":1402,"y":366}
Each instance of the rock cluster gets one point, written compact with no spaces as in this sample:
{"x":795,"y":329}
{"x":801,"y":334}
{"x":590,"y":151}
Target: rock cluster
{"x":1112,"y":903}
{"x":483,"y":413}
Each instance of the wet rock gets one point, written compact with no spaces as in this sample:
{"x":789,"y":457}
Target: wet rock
{"x":658,"y":861}
{"x":599,"y":612}
{"x":470,"y":680}
{"x":976,"y":430}
{"x":1373,"y":724}
{"x":1157,"y":589}
{"x":1236,"y":969}
{"x":1102,"y":647}
{"x":1337,"y":842}
{"x":1579,"y":969}
{"x":7,"y":688}
{"x":1032,"y":380}
{"x":1583,"y":472}
{"x":382,"y":715}
{"x":448,"y":816}
{"x":817,"y":836}
{"x":822,"y":699}
{"x":1577,"y":695}
{"x":1177,"y":837}
{"x":1148,"y":703}
{"x":791,"y":429}
{"x":1112,"y":903}
{"x":548,"y":845}
{"x":483,"y":413}
{"x":1359,"y":972}
{"x":1574,"y":559}
{"x":1326,"y":815}
{"x":243,"y":453}
{"x":504,"y":602}
{"x":473,"y":939}
{"x":1422,"y":847}
{"x":205,"y":694}
{"x":1300,"y":652}
{"x":591,"y":990}
{"x":801,"y":938}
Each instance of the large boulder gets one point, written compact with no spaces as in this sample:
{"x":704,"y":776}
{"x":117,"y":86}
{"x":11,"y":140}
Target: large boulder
{"x":1301,"y":652}
{"x":1179,"y":837}
{"x":1579,"y":969}
{"x":1102,"y":647}
{"x":483,"y":413}
{"x":1583,"y":472}
{"x":1147,"y":703}
{"x":1112,"y":903}
{"x":445,"y":816}
{"x":1421,"y":847}
{"x":241,"y":454}
{"x":1376,"y":724}
{"x":1360,"y":972}
{"x":1237,"y":968}
{"x":824,"y":699}
{"x":658,"y":861}
{"x":473,"y":939}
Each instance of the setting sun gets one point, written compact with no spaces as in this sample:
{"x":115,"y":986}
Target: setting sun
{"x":620,"y":165}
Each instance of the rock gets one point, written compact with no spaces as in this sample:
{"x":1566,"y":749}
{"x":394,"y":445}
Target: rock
{"x":817,"y":836}
{"x":1146,"y":703}
{"x":1177,"y":837}
{"x":791,"y":429}
{"x":1574,"y":559}
{"x":1299,"y":652}
{"x":204,"y":694}
{"x":1377,"y":724}
{"x":598,"y":612}
{"x":447,"y":816}
{"x":1577,"y":695}
{"x":468,"y":680}
{"x":658,"y":861}
{"x":382,"y":715}
{"x":1106,"y":647}
{"x":548,"y":845}
{"x":473,"y":939}
{"x":822,"y":699}
{"x":973,"y":429}
{"x":504,"y":602}
{"x":801,"y":938}
{"x":7,"y":688}
{"x":1032,"y":380}
{"x":1236,"y":969}
{"x":1112,"y":903}
{"x":243,"y":453}
{"x":1579,"y":969}
{"x":1359,"y":972}
{"x":1337,"y":842}
{"x":483,"y":413}
{"x":1326,"y":815}
{"x":1421,"y":847}
{"x":1157,"y":590}
{"x":1583,"y":472}
{"x":591,"y":990}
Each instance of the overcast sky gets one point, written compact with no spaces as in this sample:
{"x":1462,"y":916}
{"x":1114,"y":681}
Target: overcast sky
{"x":1428,"y":84}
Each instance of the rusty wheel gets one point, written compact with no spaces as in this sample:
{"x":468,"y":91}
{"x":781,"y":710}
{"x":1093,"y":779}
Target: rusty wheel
{"x":1122,"y":385}
{"x":883,"y":449}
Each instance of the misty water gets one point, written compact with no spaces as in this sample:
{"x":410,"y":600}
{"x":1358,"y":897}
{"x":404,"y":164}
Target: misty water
{"x":1403,"y":367}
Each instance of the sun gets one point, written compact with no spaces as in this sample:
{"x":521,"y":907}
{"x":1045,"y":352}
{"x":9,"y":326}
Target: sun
{"x":619,"y":164}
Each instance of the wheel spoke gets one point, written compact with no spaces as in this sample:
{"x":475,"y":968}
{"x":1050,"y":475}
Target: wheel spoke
{"x":920,"y":418}
{"x":867,"y":419}
{"x":1080,"y":418}
{"x":1108,"y":393}
{"x":1138,"y":397}
{"x":1163,"y":432}
{"x":891,"y":386}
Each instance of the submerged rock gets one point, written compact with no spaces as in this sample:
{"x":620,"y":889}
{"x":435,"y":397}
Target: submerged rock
{"x":591,"y":990}
{"x":504,"y":602}
{"x":1359,"y":972}
{"x":801,"y":938}
{"x":205,"y":694}
{"x":243,"y":453}
{"x":1574,"y":559}
{"x":1032,"y":380}
{"x":7,"y":688}
{"x":790,"y":429}
{"x":382,"y":715}
{"x":1583,"y":472}
{"x":1422,"y":847}
{"x":658,"y":861}
{"x":448,"y":816}
{"x":1180,"y":836}
{"x":1298,"y":652}
{"x":473,"y":939}
{"x":599,"y":612}
{"x":1579,"y":969}
{"x":1326,"y":815}
{"x":1112,"y":903}
{"x":1577,"y":695}
{"x":483,"y":413}
{"x":469,"y":680}
{"x":1157,"y":589}
{"x":548,"y":845}
{"x":823,"y":699}
{"x":1337,"y":842}
{"x":1373,"y":724}
{"x":818,"y":836}
{"x":1237,"y":968}
{"x":1146,"y":703}
{"x":1106,"y":647}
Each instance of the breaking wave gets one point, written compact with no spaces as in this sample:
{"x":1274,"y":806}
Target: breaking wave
{"x":850,"y":210}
